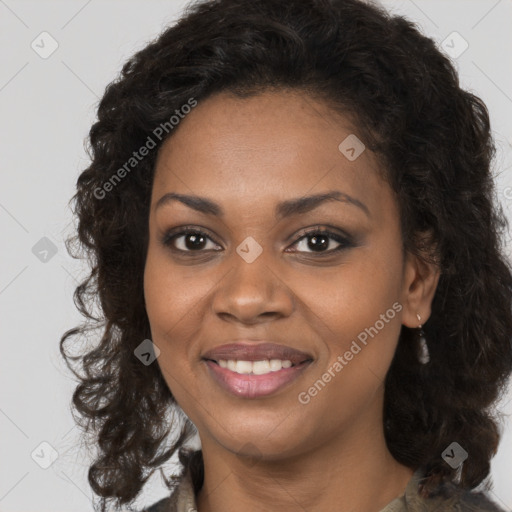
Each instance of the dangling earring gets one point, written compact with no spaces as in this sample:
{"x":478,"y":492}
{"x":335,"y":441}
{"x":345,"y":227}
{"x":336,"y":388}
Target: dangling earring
{"x":422,"y":348}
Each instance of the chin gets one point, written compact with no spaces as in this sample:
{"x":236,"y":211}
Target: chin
{"x":257,"y":439}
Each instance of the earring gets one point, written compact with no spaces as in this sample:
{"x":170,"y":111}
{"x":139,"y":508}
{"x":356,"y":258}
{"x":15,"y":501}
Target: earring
{"x":422,"y":348}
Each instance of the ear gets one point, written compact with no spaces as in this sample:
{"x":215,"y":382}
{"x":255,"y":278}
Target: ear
{"x":420,"y":279}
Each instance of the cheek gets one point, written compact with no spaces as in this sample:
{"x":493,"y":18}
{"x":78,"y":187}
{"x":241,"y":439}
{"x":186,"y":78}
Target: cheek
{"x":167,"y":301}
{"x":169,"y":304}
{"x":171,"y":293}
{"x":357,"y":308}
{"x":363,"y":286}
{"x":176,"y":303}
{"x":358,"y":320}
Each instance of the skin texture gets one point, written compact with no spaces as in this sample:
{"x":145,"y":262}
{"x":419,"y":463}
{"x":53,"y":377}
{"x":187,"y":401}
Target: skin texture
{"x":247,"y":155}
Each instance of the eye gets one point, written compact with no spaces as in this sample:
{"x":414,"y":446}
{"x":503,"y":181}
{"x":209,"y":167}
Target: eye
{"x":188,"y":240}
{"x":319,"y":241}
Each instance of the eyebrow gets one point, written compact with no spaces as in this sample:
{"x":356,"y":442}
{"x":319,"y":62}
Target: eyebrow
{"x":286,"y":208}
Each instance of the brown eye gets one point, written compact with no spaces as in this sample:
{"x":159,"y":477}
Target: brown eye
{"x":188,"y":240}
{"x":320,"y":241}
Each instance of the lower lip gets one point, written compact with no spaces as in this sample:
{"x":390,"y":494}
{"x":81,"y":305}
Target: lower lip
{"x":254,"y":386}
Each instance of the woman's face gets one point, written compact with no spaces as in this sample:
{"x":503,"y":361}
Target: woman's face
{"x":254,"y":276}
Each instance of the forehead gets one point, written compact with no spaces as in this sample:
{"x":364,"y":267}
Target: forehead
{"x":274,"y":144}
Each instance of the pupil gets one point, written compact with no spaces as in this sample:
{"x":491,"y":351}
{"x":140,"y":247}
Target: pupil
{"x":316,"y":243}
{"x":196,"y":241}
{"x":320,"y":245}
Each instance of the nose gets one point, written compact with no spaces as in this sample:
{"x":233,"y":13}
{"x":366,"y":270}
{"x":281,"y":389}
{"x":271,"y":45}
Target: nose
{"x":252,"y":293}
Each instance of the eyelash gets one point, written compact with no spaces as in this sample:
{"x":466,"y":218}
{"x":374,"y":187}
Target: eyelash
{"x":344,"y":241}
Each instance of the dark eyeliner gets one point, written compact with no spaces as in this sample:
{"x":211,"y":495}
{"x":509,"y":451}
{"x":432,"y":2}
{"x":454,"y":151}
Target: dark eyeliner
{"x":171,"y":234}
{"x":345,"y":241}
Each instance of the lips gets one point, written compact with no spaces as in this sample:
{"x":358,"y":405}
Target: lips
{"x":249,"y":351}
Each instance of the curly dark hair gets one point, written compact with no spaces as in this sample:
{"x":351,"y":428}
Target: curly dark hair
{"x":434,"y":141}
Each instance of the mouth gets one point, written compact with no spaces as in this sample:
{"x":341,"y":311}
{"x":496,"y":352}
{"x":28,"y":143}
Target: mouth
{"x":261,"y":367}
{"x":255,"y":371}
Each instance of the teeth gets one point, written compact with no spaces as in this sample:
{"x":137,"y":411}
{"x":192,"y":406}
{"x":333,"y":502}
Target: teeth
{"x":275,"y":365}
{"x":260,"y":367}
{"x":255,"y":367}
{"x":243,"y":367}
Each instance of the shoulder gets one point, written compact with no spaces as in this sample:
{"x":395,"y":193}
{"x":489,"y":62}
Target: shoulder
{"x":182,"y":498}
{"x":471,"y":501}
{"x":448,"y":498}
{"x":454,"y":499}
{"x":461,"y":502}
{"x":164,"y":505}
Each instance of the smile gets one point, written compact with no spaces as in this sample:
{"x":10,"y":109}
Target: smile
{"x":254,"y":379}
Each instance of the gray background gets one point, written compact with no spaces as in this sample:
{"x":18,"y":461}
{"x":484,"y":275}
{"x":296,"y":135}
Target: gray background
{"x":47,"y":106}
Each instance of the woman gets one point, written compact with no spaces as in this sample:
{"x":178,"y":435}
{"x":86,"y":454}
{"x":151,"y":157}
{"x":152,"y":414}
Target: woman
{"x":292,"y":235}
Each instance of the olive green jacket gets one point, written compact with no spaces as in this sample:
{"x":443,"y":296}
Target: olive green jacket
{"x":183,"y":500}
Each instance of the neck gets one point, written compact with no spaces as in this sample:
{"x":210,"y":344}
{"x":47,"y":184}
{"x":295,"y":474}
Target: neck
{"x":352,"y":472}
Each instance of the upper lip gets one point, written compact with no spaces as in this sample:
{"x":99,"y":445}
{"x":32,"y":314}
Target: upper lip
{"x":256,"y":352}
